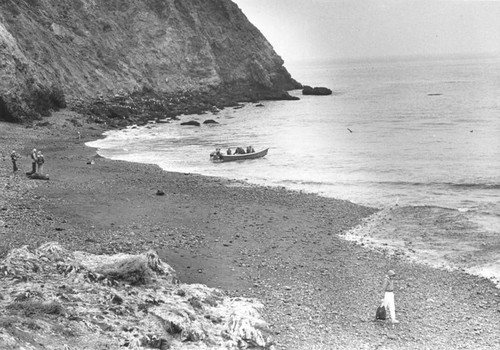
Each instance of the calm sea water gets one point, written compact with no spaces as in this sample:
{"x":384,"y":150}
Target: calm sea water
{"x":406,"y":132}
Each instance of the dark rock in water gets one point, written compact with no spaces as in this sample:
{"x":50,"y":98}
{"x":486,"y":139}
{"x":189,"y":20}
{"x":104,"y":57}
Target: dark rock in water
{"x":320,"y":91}
{"x":191,"y":122}
{"x":259,"y":105}
{"x":210,"y":121}
{"x":160,"y":193}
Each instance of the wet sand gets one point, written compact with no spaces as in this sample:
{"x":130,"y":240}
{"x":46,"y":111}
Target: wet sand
{"x":285,"y":248}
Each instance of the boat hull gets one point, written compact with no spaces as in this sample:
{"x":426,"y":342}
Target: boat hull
{"x":235,"y":157}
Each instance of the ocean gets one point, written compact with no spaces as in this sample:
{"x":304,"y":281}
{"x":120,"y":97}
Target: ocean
{"x":406,"y":132}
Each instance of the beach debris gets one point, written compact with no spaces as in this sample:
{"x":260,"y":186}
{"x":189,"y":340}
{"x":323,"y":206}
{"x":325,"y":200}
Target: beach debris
{"x":160,"y":193}
{"x":37,"y":176}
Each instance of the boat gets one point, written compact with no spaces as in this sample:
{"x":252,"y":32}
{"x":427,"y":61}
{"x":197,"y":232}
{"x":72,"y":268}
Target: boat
{"x":222,"y":158}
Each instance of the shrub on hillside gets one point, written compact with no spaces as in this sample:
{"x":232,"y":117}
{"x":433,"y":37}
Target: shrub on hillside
{"x":31,"y":308}
{"x":5,"y":113}
{"x":57,"y":97}
{"x":44,"y":99}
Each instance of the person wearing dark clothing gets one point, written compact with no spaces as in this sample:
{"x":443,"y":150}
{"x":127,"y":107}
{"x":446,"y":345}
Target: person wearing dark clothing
{"x":40,"y":159}
{"x":33,"y":161}
{"x":14,"y":156}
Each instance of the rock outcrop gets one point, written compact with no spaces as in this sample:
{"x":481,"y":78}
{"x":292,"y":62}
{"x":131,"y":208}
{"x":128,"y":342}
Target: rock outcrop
{"x":191,"y":122}
{"x":55,"y":52}
{"x":57,"y":299}
{"x":318,"y":91}
{"x":210,"y":121}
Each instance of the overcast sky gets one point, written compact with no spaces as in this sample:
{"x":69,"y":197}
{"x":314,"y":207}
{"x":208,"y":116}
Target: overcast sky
{"x":304,"y":29}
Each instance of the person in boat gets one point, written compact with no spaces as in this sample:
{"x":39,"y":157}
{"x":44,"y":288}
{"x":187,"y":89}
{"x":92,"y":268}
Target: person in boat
{"x":239,"y":150}
{"x":229,"y":152}
{"x":250,"y":149}
{"x":217,"y":154}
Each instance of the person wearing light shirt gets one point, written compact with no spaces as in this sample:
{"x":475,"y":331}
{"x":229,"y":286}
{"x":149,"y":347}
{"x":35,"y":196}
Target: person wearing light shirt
{"x":388,"y":289}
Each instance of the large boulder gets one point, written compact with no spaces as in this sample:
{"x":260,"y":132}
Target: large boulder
{"x":210,"y":121}
{"x":320,"y":91}
{"x":191,"y":122}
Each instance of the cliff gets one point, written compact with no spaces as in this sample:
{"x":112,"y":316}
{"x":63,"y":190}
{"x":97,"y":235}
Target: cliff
{"x":156,"y":53}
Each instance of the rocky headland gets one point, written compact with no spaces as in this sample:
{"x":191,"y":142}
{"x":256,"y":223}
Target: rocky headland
{"x":126,"y":62}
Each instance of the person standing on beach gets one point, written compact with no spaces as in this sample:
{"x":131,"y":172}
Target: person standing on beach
{"x":388,"y":289}
{"x":14,"y":156}
{"x":40,"y":160}
{"x":33,"y":162}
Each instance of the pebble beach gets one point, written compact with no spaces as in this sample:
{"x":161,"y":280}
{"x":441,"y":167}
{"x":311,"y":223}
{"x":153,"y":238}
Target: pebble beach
{"x":285,"y":248}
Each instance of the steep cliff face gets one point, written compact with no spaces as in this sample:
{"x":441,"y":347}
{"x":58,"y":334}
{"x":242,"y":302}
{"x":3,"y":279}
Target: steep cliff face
{"x":56,"y":51}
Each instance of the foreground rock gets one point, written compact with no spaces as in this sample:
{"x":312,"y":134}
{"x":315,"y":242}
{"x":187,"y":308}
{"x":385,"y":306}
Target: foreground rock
{"x":57,"y":299}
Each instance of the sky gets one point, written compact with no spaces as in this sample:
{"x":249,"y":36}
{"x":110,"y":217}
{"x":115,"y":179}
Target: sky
{"x":344,"y":29}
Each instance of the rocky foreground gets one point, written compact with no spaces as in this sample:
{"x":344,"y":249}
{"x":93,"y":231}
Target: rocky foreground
{"x":52,"y":298}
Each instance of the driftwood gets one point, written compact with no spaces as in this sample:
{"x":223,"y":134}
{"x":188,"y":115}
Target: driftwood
{"x":37,"y":176}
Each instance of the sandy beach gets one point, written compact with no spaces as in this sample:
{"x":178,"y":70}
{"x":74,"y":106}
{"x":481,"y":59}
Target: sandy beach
{"x":285,"y":248}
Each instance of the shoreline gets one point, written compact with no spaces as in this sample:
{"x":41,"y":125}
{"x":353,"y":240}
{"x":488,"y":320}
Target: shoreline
{"x":282,"y":247}
{"x":401,"y":231}
{"x":434,"y":245}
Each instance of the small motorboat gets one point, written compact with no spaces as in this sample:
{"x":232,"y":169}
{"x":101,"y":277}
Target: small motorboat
{"x":222,"y":158}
